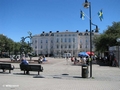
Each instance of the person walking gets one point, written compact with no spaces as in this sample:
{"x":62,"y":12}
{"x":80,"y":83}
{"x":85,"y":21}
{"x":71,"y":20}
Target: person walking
{"x":67,"y":59}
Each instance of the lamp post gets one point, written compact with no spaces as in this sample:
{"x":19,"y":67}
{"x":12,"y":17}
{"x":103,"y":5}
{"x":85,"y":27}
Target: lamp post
{"x":88,"y":5}
{"x":118,"y":40}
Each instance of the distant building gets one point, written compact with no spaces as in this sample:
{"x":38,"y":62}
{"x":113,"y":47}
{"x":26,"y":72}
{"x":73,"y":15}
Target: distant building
{"x":58,"y":43}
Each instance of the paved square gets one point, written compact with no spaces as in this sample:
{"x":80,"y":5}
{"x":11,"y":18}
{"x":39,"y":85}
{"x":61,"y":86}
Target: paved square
{"x":60,"y":75}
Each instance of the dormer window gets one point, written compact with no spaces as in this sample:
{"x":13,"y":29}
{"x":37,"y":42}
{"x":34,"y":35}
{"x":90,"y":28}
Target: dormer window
{"x":86,"y":34}
{"x":52,"y":34}
{"x":80,"y":34}
{"x":47,"y":34}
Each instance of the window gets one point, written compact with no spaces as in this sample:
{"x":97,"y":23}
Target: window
{"x":41,"y":52}
{"x":51,"y":41}
{"x":80,"y":45}
{"x":69,"y":39}
{"x":51,"y":46}
{"x":61,"y":40}
{"x":57,"y":46}
{"x":73,"y":46}
{"x":52,"y":34}
{"x":73,"y":34}
{"x":41,"y":46}
{"x":61,"y":46}
{"x":42,"y":35}
{"x":80,"y":34}
{"x":86,"y":34}
{"x":65,"y":40}
{"x":57,"y":52}
{"x":57,"y":40}
{"x":80,"y":41}
{"x":46,"y":41}
{"x":35,"y":47}
{"x":65,"y":46}
{"x":47,"y":34}
{"x":69,"y":46}
{"x":73,"y":39}
{"x":41,"y":41}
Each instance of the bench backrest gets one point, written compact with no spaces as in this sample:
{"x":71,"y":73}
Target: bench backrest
{"x":31,"y":67}
{"x":5,"y":66}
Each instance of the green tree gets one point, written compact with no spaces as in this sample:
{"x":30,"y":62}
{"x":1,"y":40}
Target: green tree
{"x":16,"y":48}
{"x":8,"y":46}
{"x":3,"y":42}
{"x":108,"y":38}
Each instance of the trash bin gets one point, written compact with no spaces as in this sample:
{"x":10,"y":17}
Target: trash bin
{"x":84,"y":71}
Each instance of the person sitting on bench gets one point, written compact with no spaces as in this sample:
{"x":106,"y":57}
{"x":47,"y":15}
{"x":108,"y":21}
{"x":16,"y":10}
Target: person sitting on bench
{"x":24,"y":62}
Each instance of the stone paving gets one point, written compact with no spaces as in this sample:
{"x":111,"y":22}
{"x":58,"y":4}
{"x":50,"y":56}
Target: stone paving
{"x":60,"y":75}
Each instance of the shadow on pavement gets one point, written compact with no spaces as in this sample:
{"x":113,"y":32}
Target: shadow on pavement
{"x":5,"y":73}
{"x":77,"y":77}
{"x":102,"y":63}
{"x":38,"y":76}
{"x":24,"y":74}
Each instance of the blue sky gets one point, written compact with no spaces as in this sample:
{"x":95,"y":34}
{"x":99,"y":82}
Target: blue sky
{"x":17,"y":17}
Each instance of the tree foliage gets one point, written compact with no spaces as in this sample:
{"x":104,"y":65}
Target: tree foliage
{"x":8,"y":46}
{"x":108,"y":38}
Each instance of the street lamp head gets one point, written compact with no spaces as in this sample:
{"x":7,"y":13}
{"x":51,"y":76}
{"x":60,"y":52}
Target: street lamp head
{"x":86,"y":1}
{"x":86,"y":4}
{"x":118,"y":39}
{"x":96,"y":30}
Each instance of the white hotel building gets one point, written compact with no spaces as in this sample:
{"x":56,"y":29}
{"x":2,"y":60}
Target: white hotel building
{"x":58,"y":43}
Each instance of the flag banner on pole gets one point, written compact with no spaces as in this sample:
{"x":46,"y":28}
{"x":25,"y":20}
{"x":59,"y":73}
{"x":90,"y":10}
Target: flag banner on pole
{"x":100,"y":14}
{"x":82,"y":15}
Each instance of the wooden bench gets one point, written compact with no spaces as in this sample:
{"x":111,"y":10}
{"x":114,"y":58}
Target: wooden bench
{"x":5,"y":66}
{"x":28,"y":68}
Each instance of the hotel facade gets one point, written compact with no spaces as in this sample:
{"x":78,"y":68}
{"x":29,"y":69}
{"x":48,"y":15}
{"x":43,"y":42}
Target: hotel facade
{"x":58,"y":43}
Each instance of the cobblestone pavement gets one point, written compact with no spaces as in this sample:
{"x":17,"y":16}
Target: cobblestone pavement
{"x":60,"y":75}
